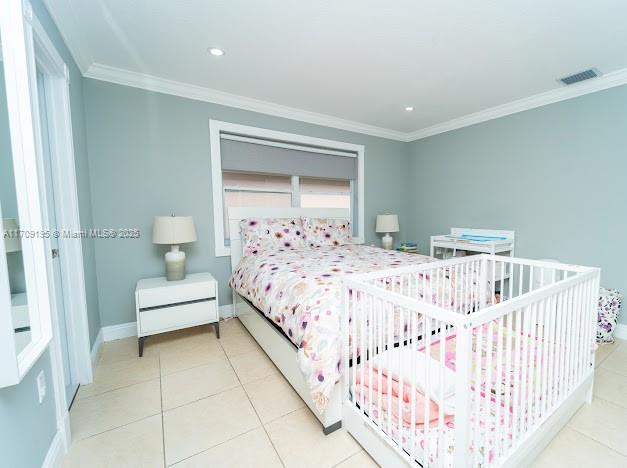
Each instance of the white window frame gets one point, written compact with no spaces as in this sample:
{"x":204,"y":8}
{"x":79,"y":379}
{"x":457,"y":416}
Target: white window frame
{"x":216,"y":127}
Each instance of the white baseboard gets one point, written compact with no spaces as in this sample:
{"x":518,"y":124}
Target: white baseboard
{"x":117,"y":332}
{"x":225,"y":311}
{"x":54,"y":457}
{"x":621,"y":331}
{"x":95,"y":349}
{"x":126,"y":330}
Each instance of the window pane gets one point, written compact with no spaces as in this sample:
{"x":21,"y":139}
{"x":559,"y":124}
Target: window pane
{"x":326,"y":186}
{"x":325,"y":201}
{"x":235,"y":199}
{"x":325,"y":193}
{"x":263,"y":182}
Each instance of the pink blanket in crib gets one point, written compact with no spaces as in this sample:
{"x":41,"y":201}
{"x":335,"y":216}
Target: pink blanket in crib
{"x":370,"y":385}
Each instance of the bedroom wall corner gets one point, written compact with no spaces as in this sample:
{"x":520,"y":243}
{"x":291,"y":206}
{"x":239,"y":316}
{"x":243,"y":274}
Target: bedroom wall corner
{"x":555,"y":175}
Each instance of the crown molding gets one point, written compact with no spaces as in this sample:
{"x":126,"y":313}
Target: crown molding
{"x":62,"y":13}
{"x":161,"y":85}
{"x":610,"y":80}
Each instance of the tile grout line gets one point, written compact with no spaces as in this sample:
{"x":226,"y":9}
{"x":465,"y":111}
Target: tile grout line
{"x":253,"y":406}
{"x":166,"y":410}
{"x":361,"y":449}
{"x":114,"y":428}
{"x":162,"y":417}
{"x":595,"y":440}
{"x":212,"y":447}
{"x":117,"y":388}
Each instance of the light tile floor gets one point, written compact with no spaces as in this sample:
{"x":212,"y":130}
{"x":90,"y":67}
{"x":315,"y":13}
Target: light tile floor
{"x":196,"y":401}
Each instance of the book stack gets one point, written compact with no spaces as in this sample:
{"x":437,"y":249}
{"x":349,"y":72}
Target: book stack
{"x":408,"y":247}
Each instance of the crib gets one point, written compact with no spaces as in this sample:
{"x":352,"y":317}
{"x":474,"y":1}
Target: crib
{"x":481,"y":370}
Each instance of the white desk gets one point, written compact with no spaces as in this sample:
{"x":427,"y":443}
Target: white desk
{"x":501,"y":242}
{"x":495,"y":242}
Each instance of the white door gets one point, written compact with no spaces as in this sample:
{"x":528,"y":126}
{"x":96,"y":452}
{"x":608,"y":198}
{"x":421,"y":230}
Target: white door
{"x":56,"y":287}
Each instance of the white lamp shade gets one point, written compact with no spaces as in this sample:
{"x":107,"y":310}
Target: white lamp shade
{"x":11,"y":244}
{"x":173,"y":230}
{"x":387,"y":223}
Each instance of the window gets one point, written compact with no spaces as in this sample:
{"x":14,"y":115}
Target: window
{"x":325,"y":193}
{"x":250,"y":190}
{"x":257,"y":168}
{"x":245,"y":190}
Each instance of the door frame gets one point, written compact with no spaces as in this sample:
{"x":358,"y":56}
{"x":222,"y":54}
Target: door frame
{"x":57,"y":94}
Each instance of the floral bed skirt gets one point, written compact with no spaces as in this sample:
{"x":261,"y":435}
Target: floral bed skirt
{"x":609,"y":307}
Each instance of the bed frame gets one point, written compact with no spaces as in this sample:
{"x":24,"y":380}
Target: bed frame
{"x":273,"y":341}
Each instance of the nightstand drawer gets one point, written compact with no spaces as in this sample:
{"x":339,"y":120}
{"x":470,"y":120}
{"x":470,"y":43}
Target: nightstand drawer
{"x":175,"y":293}
{"x":172,"y":318}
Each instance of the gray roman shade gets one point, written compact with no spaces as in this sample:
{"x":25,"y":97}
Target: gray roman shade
{"x":244,"y":154}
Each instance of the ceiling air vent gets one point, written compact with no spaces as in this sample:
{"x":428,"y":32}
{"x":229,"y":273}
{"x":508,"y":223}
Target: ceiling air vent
{"x":581,"y":76}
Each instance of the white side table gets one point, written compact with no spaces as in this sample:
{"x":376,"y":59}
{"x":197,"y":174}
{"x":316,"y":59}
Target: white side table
{"x":162,"y":306}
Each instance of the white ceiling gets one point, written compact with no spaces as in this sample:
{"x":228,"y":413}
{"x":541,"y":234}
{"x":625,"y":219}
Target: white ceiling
{"x":358,"y":60}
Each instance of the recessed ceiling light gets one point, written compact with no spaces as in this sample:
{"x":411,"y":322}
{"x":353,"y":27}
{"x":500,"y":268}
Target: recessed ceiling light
{"x":216,"y":52}
{"x":409,"y":108}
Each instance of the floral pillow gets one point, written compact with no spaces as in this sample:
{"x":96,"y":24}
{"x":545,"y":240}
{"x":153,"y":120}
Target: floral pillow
{"x":270,"y":233}
{"x":322,"y":231}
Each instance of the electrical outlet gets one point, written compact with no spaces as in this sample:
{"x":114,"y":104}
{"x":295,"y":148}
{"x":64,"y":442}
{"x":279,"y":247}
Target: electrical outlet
{"x":41,"y":386}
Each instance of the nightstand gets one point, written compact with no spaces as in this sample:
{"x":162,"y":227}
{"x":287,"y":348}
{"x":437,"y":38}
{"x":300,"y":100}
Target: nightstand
{"x":162,"y":306}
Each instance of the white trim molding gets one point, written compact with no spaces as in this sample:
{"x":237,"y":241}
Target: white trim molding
{"x":117,"y":332}
{"x":564,"y":93}
{"x":56,"y":451}
{"x":216,"y":127}
{"x":176,"y":88}
{"x":199,"y":93}
{"x":621,"y":331}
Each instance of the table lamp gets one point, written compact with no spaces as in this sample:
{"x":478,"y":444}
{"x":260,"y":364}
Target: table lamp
{"x":173,"y":231}
{"x":387,"y":223}
{"x":12,"y":242}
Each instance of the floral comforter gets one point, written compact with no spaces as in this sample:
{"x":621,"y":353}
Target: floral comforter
{"x":300,"y":291}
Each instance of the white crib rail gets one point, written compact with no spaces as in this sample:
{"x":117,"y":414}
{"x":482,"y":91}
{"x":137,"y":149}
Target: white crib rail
{"x":495,"y":352}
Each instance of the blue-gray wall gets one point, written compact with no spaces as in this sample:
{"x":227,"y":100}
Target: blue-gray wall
{"x":556,"y":175}
{"x":149,"y":155}
{"x":27,"y":428}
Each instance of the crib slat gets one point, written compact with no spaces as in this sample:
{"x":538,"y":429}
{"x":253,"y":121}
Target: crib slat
{"x":477,"y":358}
{"x":487,"y":420}
{"x":509,"y":333}
{"x":531,"y":375}
{"x":390,"y":347}
{"x":442,"y":367}
{"x":428,"y":394}
{"x":414,"y":349}
{"x":354,"y":319}
{"x":499,"y":386}
{"x":517,"y":376}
